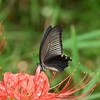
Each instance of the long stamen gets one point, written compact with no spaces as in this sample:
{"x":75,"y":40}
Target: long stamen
{"x":64,"y":79}
{"x":54,"y":73}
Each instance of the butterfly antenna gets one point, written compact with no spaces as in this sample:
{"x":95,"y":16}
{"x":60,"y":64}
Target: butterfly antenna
{"x":36,"y":61}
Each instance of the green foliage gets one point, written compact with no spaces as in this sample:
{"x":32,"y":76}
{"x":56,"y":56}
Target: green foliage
{"x":25,"y":21}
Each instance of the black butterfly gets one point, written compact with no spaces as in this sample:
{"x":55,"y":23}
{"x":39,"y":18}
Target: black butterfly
{"x":51,"y":51}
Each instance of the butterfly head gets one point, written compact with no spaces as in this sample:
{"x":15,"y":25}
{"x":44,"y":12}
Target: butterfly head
{"x":42,"y":68}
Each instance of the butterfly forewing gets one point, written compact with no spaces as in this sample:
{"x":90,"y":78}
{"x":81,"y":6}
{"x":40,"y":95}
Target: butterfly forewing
{"x":51,"y":43}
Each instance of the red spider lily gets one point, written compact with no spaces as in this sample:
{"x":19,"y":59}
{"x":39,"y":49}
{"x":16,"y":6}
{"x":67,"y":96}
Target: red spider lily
{"x":22,"y":86}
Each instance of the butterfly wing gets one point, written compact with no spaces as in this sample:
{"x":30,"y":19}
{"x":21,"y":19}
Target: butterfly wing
{"x":57,"y":63}
{"x":51,"y":50}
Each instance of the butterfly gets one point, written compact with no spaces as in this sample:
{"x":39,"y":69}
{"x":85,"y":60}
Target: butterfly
{"x":51,"y":52}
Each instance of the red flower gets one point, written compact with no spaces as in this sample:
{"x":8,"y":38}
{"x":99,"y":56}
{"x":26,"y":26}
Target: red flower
{"x":22,"y":86}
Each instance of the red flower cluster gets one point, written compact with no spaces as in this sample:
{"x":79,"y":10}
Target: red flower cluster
{"x":22,"y":86}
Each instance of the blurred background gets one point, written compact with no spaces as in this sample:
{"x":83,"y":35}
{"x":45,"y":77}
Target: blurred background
{"x":24,"y":22}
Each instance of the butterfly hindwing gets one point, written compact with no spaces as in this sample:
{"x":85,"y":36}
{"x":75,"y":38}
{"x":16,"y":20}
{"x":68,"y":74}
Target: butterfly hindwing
{"x":57,"y":63}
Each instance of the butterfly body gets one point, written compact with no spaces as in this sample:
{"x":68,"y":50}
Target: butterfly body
{"x":51,"y":51}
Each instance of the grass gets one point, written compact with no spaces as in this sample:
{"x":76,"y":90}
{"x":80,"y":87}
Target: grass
{"x":24,"y":22}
